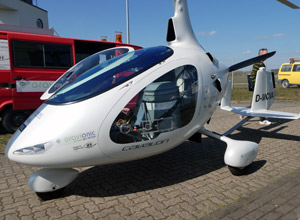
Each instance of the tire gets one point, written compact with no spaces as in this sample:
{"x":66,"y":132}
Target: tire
{"x":285,"y":83}
{"x":237,"y":171}
{"x":51,"y":195}
{"x":298,"y":86}
{"x":12,"y":120}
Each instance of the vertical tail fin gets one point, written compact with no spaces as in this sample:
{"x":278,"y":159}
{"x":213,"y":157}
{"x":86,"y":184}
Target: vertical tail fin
{"x":264,"y":90}
{"x":226,"y":100}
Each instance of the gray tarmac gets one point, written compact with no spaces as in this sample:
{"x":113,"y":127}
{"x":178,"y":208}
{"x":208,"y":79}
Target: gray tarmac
{"x":188,"y":182}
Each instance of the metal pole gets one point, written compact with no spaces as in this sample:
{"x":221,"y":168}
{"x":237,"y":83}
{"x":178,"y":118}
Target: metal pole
{"x":232,"y":75}
{"x":232,"y":78}
{"x":127,"y":21}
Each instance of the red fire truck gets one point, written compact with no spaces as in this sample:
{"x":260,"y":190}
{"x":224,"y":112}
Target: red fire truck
{"x":36,"y":60}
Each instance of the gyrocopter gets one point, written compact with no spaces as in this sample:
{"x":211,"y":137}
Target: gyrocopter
{"x":122,"y":104}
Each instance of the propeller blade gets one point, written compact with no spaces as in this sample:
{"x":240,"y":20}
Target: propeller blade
{"x":289,"y":4}
{"x":250,"y":61}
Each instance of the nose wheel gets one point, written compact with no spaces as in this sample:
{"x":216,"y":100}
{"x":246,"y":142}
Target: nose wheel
{"x":236,"y":171}
{"x":49,"y":183}
{"x":44,"y":196}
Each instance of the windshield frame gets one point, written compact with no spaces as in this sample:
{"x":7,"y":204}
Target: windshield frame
{"x":141,"y":60}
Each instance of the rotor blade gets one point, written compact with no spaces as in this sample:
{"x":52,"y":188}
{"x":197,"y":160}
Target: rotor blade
{"x":289,"y":4}
{"x":250,"y":61}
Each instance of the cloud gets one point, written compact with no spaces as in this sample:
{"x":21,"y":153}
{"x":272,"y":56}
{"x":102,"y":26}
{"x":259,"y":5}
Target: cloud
{"x":269,"y":36}
{"x":298,"y":51}
{"x":246,"y":52}
{"x":279,"y":35}
{"x":209,"y":33}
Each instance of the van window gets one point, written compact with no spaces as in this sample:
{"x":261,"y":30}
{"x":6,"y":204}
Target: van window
{"x":42,"y":55}
{"x":296,"y":68}
{"x":286,"y":68}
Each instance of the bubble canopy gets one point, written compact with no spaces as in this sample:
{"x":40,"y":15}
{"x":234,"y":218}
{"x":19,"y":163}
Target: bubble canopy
{"x":110,"y":74}
{"x":84,"y":66}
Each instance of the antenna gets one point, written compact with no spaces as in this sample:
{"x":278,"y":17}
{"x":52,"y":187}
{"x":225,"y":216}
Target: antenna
{"x":127,"y":21}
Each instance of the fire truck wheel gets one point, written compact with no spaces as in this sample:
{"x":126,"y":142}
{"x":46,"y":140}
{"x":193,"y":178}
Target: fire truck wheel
{"x":11,"y":120}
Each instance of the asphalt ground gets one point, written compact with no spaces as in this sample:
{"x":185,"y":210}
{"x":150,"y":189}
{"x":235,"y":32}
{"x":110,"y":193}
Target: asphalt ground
{"x":189,"y":182}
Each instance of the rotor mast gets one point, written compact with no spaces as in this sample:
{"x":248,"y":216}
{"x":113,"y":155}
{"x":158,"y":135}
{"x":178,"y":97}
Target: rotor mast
{"x":180,"y":30}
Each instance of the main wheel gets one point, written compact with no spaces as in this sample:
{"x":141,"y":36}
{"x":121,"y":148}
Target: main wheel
{"x":12,"y":120}
{"x":50,"y":195}
{"x":285,"y":83}
{"x":236,"y":171}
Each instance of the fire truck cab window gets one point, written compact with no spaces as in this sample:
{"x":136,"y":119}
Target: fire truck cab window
{"x":83,"y":49}
{"x":166,"y":104}
{"x":42,"y":55}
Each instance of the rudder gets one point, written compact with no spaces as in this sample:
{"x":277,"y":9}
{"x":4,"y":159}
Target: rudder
{"x":264,"y":90}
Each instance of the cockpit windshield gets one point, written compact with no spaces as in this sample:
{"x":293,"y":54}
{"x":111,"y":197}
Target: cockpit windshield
{"x":109,"y":74}
{"x":87,"y":64}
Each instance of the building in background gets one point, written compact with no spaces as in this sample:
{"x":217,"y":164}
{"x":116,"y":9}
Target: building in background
{"x":23,"y":13}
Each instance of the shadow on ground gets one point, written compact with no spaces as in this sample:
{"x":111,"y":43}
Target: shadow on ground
{"x":271,"y":131}
{"x":187,"y":161}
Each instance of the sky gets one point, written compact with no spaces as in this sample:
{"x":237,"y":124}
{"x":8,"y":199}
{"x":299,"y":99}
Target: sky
{"x":231,"y":30}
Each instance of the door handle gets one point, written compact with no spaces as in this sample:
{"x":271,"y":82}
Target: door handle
{"x":19,"y":78}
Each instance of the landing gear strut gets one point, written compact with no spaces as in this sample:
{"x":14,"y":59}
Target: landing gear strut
{"x":238,"y":155}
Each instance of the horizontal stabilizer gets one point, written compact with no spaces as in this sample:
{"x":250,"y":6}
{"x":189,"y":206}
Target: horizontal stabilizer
{"x":250,"y":61}
{"x":261,"y":113}
{"x":260,"y":108}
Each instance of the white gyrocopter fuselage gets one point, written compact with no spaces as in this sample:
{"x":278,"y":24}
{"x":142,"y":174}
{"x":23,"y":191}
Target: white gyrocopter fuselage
{"x":121,"y":105}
